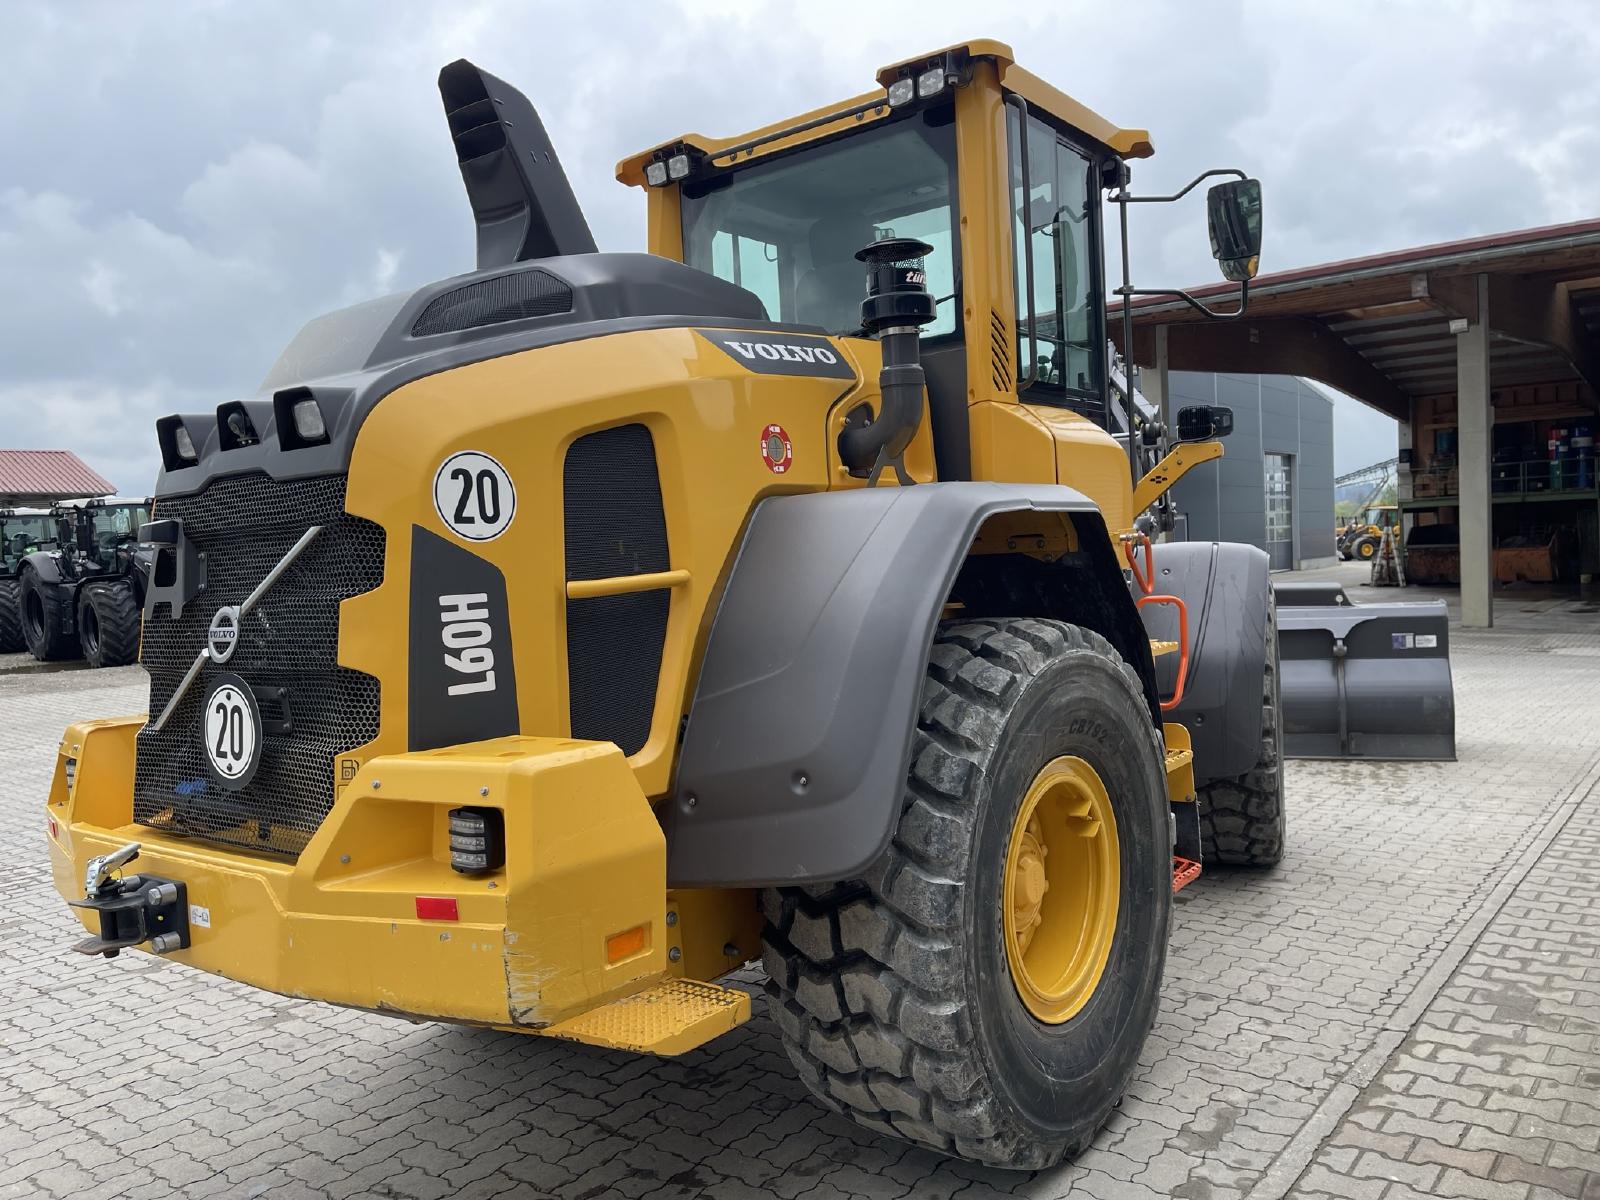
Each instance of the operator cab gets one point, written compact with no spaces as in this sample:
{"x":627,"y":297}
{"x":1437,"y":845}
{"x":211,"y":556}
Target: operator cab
{"x":957,"y":147}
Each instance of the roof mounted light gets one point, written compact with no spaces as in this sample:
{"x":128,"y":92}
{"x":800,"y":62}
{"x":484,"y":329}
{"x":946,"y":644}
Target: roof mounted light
{"x":183,"y":443}
{"x":655,"y":174}
{"x":678,"y":166}
{"x":902,"y":92}
{"x":931,"y":82}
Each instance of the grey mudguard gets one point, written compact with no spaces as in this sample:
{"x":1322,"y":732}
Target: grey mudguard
{"x":795,"y":755}
{"x":1225,"y":587}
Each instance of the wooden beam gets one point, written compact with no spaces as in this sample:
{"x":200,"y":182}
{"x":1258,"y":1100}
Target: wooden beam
{"x":1541,"y":313}
{"x":1275,"y":346}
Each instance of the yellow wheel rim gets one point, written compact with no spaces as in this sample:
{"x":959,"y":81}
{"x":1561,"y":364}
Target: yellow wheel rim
{"x":1061,"y":889}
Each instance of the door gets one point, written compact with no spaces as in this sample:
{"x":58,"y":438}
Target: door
{"x":1280,"y":512}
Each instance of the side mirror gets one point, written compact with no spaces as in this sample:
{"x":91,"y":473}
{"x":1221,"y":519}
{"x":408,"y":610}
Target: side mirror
{"x":1202,"y":422}
{"x":1233,"y":212}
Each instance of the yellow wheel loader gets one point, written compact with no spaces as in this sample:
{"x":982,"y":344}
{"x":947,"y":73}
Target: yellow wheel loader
{"x":541,"y":645}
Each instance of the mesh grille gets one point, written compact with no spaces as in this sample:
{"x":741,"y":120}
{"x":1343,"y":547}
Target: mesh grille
{"x":614,"y":526}
{"x":244,"y":524}
{"x":614,"y":521}
{"x":493,"y":301}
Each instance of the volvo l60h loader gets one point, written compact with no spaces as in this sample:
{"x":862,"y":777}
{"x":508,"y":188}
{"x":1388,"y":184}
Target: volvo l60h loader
{"x":539,"y":646}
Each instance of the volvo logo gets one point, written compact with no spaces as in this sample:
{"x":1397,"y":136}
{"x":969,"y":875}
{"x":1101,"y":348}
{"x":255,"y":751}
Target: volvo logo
{"x":223,"y":636}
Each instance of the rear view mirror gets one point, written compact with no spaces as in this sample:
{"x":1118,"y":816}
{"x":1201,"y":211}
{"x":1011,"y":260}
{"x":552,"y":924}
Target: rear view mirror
{"x":1201,"y":422}
{"x":1233,"y":212}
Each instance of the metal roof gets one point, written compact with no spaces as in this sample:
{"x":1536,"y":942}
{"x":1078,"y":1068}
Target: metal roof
{"x":29,"y":476}
{"x":1389,"y":317}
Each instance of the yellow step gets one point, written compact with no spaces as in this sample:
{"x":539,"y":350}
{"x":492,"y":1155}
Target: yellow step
{"x":1180,"y":763}
{"x":1159,"y":647}
{"x":672,"y":1017}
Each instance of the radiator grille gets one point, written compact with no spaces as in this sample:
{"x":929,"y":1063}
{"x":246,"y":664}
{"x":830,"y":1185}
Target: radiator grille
{"x":614,"y":526}
{"x":493,"y":302}
{"x":244,"y":524}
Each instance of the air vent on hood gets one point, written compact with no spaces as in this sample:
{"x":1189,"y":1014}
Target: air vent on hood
{"x":494,"y":301}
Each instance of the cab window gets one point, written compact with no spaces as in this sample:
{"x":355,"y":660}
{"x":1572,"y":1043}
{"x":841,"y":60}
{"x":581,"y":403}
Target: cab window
{"x":788,"y":229}
{"x":1061,"y":358}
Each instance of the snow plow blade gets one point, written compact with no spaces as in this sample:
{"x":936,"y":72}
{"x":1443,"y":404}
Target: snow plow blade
{"x":1364,"y":680}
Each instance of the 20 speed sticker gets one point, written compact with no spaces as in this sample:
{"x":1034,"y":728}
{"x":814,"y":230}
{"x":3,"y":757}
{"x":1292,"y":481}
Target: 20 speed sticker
{"x":474,"y":496}
{"x":230,"y":730}
{"x":777,"y":451}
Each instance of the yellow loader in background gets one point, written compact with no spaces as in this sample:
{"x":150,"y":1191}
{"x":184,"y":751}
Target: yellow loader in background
{"x":538,"y":646}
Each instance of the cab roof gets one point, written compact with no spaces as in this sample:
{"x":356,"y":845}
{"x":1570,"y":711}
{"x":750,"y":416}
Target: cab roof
{"x":1126,"y":143}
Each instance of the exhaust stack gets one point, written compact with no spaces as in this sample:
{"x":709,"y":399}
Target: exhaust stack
{"x":521,"y":200}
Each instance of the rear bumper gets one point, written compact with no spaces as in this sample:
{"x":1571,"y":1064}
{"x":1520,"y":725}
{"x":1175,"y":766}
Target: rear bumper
{"x":585,"y":861}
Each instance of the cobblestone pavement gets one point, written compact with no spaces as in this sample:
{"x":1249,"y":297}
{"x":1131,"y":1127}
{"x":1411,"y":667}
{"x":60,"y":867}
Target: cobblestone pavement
{"x":1410,"y":1005}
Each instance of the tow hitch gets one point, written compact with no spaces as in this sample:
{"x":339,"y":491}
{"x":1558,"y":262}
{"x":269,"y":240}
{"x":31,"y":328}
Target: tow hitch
{"x":133,"y":909}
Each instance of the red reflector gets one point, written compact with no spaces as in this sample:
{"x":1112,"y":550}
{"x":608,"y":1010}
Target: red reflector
{"x":53,"y":827}
{"x":437,"y":908}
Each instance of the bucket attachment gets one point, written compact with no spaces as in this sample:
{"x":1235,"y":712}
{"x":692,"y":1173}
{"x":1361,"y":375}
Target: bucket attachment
{"x":1364,"y":680}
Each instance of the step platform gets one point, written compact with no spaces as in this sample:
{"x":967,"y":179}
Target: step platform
{"x":671,"y":1017}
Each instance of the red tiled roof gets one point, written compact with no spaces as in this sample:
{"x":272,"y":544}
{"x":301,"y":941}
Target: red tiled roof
{"x":48,"y":475}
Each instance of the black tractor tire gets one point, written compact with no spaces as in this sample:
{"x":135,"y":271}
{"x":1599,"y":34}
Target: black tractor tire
{"x":108,"y":624}
{"x":46,"y":640}
{"x":1242,"y":820}
{"x":10,"y":618}
{"x":893,"y":991}
{"x":1364,"y":548}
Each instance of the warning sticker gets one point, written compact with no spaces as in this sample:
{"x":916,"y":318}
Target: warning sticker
{"x":200,"y":916}
{"x":776,"y":449}
{"x":1427,"y":641}
{"x":1400,"y":641}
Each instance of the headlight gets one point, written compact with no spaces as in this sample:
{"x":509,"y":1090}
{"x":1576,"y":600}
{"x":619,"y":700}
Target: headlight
{"x":930,"y":83}
{"x":655,"y":174}
{"x":183,"y":443}
{"x":901,"y":92}
{"x":308,"y":422}
{"x":678,"y":166}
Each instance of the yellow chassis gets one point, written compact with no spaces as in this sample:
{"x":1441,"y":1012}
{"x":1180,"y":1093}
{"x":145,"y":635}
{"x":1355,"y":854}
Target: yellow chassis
{"x":529,"y":950}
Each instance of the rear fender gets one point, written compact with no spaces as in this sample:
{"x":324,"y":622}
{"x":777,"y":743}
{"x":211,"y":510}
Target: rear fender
{"x":798,"y":740}
{"x":1226,"y":589}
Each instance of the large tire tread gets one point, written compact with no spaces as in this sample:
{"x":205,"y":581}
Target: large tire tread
{"x":11,"y":639}
{"x":1242,"y":820}
{"x":866,"y":978}
{"x":117,"y":614}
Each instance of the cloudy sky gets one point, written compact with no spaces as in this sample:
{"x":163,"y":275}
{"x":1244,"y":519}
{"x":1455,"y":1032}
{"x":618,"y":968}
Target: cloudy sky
{"x":183,"y":185}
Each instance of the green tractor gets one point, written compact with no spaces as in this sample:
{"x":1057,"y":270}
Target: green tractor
{"x":83,"y":595}
{"x":23,"y":531}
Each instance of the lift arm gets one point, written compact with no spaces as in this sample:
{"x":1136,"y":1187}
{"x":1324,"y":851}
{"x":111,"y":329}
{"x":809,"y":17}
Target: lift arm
{"x":1172,"y":468}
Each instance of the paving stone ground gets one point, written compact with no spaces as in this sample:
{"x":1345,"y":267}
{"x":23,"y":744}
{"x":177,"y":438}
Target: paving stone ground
{"x":1409,"y":1005}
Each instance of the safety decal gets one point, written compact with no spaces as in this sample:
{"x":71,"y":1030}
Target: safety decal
{"x":474,"y":496}
{"x":777,"y":451}
{"x":230,"y":730}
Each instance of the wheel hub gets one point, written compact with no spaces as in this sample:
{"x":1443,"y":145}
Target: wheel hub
{"x":1061,"y":889}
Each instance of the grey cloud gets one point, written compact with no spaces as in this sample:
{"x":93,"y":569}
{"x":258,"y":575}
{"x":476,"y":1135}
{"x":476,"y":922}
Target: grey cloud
{"x":182,"y":186}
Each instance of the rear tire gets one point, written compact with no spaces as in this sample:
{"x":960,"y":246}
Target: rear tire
{"x":108,"y":624}
{"x":894,"y":992}
{"x":10,"y":618}
{"x":40,"y":628}
{"x":1242,"y":821}
{"x":1366,"y":548}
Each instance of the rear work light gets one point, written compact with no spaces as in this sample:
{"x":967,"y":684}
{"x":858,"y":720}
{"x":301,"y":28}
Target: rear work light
{"x":477,"y":840}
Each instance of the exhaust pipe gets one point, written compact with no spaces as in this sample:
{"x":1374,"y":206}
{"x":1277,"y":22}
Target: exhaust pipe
{"x":521,"y":200}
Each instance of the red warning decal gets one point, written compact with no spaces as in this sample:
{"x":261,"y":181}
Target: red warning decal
{"x":776,"y":450}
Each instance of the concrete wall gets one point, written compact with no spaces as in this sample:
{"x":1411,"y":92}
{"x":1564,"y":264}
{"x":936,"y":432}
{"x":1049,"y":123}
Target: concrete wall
{"x":1272,"y":414}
